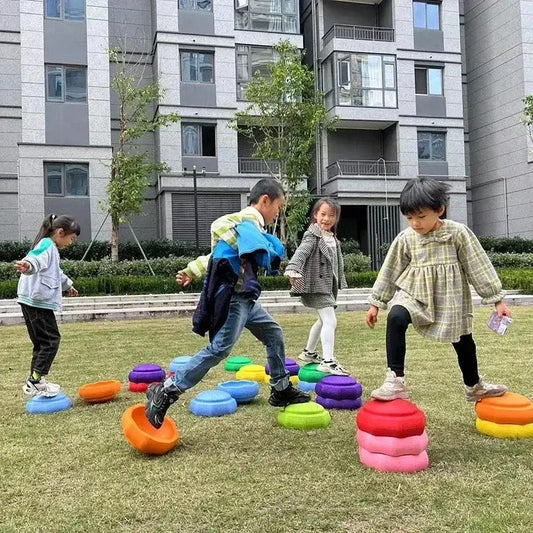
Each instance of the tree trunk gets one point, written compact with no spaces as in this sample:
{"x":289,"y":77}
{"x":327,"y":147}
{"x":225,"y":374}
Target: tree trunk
{"x":115,"y":226}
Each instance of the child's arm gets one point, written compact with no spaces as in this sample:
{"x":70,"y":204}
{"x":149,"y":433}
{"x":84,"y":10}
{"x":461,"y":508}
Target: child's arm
{"x":300,"y":256}
{"x":38,"y":259}
{"x":195,"y":269}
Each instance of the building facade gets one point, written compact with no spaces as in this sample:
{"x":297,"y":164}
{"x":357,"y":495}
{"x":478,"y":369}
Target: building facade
{"x":392,"y":71}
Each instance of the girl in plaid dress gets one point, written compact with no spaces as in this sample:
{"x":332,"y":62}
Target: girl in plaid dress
{"x":316,"y":273}
{"x":428,"y":270}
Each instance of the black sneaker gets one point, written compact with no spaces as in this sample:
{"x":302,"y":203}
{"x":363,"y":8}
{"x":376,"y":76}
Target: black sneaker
{"x":157,"y":404}
{"x":282,"y":398}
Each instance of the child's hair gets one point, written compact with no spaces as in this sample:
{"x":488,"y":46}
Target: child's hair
{"x":52,"y":222}
{"x":269,"y":186}
{"x":333,"y":204}
{"x":423,"y":193}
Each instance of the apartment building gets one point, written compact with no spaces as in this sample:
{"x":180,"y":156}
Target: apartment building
{"x":392,"y":71}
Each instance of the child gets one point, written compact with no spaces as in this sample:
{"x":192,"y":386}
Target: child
{"x":39,"y":295}
{"x":429,"y":266}
{"x":227,"y":304}
{"x":316,"y":272}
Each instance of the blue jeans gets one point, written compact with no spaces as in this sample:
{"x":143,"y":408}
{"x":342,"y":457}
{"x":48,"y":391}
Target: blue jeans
{"x":243,"y":313}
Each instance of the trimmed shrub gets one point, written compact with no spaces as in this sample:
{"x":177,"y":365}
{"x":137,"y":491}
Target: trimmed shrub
{"x":515,"y":245}
{"x":508,"y":260}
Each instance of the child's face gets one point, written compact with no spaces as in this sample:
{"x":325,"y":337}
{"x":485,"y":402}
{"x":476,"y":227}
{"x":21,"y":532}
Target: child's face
{"x":269,"y":208}
{"x":62,"y":239}
{"x":326,"y":217}
{"x":425,"y":220}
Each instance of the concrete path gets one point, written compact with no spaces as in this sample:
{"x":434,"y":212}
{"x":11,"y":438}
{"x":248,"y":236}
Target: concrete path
{"x":183,"y":304}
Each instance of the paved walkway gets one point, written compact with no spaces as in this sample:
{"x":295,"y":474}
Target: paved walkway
{"x":183,"y":304}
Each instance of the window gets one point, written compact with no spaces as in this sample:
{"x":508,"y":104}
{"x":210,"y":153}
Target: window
{"x":431,"y":146}
{"x":428,"y":80}
{"x":426,"y":15}
{"x":196,"y":5}
{"x":66,"y":84}
{"x":366,"y":80}
{"x":65,"y":9}
{"x":252,"y":60}
{"x":66,"y":179}
{"x":267,"y":15}
{"x":197,"y":67}
{"x":198,"y":140}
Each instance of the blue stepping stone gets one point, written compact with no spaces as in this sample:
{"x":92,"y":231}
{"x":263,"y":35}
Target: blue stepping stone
{"x":213,"y":403}
{"x":179,"y":363}
{"x":46,"y":404}
{"x":242,"y":390}
{"x":306,"y":386}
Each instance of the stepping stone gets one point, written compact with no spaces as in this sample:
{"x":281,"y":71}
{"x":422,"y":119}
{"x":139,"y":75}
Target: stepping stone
{"x":252,"y":373}
{"x":213,"y":403}
{"x":235,"y":363}
{"x":244,"y":391}
{"x":308,"y":415}
{"x":179,"y":363}
{"x":48,"y":404}
{"x":147,"y":373}
{"x":310,"y":373}
{"x":290,"y":364}
{"x":100,"y":391}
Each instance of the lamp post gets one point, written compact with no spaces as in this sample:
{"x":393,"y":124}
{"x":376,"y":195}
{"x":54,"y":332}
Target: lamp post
{"x":195,"y":193}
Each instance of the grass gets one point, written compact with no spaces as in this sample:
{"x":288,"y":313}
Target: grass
{"x":74,"y":471}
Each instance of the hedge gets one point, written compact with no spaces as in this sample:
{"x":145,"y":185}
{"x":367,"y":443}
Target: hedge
{"x":515,"y":245}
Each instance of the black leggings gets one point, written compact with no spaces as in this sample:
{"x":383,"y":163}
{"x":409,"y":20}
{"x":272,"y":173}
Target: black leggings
{"x":397,"y":322}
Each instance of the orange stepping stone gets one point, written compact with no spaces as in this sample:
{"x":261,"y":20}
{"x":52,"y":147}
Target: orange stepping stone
{"x":100,"y":391}
{"x":511,"y":408}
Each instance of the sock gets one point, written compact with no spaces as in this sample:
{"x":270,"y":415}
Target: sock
{"x":35,"y":376}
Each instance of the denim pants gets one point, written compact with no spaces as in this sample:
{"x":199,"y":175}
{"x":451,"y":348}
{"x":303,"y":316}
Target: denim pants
{"x":243,"y":313}
{"x":44,"y":334}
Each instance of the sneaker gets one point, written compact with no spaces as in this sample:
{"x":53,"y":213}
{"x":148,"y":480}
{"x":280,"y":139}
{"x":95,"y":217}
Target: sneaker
{"x":332,"y":367}
{"x":310,"y":357}
{"x":40,"y":388}
{"x":290,"y":395}
{"x":157,"y":404}
{"x":482,"y":389}
{"x":392,"y":388}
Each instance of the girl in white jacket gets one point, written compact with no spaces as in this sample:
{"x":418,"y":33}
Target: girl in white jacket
{"x":39,"y":295}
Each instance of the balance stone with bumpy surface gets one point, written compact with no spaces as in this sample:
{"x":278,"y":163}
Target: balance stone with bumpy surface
{"x":308,"y":415}
{"x":242,"y":390}
{"x":392,"y":437}
{"x":290,"y":364}
{"x":179,"y":363}
{"x":100,"y":391}
{"x":144,"y":437}
{"x":147,"y":373}
{"x":310,"y":373}
{"x":507,"y":416}
{"x":236,"y":362}
{"x":213,"y":403}
{"x":46,"y":404}
{"x":339,"y":392}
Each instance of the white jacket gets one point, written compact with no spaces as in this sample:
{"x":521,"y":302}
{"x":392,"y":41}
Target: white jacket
{"x":43,"y":284}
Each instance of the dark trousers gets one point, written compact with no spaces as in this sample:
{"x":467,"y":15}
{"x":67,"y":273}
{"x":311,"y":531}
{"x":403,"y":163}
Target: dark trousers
{"x":44,"y":334}
{"x":399,"y":319}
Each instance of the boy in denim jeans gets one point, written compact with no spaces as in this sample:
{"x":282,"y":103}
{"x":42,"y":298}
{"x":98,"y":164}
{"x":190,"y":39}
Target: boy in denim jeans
{"x":240,"y":289}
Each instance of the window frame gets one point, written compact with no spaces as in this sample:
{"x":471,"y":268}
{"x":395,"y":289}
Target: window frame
{"x":288,"y":19}
{"x":64,"y":167}
{"x":432,"y":138}
{"x":248,"y":53}
{"x":62,"y":12}
{"x":63,"y":98}
{"x":425,"y":3}
{"x":200,"y":126}
{"x":198,"y":69}
{"x":427,"y":70}
{"x":196,"y":8}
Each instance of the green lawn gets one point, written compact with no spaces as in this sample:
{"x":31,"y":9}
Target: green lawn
{"x":74,"y":471}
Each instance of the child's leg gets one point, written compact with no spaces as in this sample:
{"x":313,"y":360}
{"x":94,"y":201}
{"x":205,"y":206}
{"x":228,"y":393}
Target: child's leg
{"x":327,"y":334}
{"x":314,"y":335}
{"x":466,"y":356}
{"x":397,"y":322}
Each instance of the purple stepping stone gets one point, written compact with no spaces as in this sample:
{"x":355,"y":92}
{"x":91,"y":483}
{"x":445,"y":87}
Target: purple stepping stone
{"x":147,"y":373}
{"x":290,"y":364}
{"x":332,"y":403}
{"x":339,"y":388}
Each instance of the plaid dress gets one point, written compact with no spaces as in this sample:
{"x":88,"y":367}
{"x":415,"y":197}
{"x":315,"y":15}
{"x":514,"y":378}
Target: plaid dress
{"x":430,"y":274}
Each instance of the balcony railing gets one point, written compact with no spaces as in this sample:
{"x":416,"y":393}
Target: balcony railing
{"x":253,"y":165}
{"x":363,"y":167}
{"x":363,"y":33}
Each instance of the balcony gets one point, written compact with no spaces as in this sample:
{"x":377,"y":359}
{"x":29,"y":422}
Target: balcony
{"x":253,"y":165}
{"x":363,"y":167}
{"x":363,"y":33}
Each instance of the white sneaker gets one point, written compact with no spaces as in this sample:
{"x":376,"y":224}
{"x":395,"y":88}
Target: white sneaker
{"x":482,"y":389}
{"x":393,"y":388}
{"x":40,"y":388}
{"x":332,"y":367}
{"x":310,"y":357}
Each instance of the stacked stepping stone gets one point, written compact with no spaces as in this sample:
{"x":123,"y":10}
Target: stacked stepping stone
{"x":309,"y":376}
{"x":142,"y":375}
{"x":339,"y":392}
{"x":507,"y":416}
{"x":292,"y":367}
{"x":392,"y":436}
{"x":235,"y":363}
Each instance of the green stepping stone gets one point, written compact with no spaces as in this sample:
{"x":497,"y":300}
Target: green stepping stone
{"x":234,"y":363}
{"x":308,"y":415}
{"x":310,"y":373}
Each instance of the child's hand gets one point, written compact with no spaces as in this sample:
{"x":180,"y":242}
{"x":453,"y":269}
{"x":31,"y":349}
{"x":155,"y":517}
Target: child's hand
{"x":183,"y":279}
{"x":502,"y":309}
{"x":372,"y":316}
{"x":293,"y":281}
{"x":22,"y":266}
{"x":73,"y":292}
